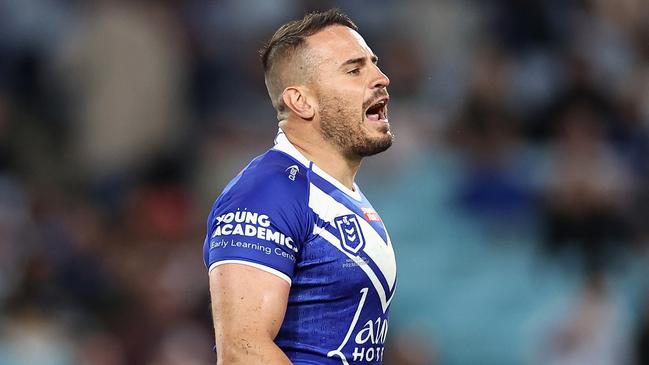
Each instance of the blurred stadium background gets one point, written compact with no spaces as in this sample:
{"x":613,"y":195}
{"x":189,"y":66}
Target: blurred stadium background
{"x":517,"y":192}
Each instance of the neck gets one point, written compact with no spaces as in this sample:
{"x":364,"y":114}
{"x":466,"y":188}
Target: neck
{"x":326,"y":156}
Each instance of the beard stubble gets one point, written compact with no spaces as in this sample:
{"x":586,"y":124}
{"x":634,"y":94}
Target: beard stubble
{"x":343,"y":127}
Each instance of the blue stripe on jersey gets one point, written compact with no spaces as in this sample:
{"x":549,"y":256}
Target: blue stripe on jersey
{"x":384,"y":283}
{"x":345,"y":200}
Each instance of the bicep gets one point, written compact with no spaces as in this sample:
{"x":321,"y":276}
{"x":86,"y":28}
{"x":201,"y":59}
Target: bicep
{"x":248,"y":304}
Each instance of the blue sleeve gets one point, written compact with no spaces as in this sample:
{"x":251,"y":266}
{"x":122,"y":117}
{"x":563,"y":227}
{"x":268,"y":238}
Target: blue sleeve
{"x":260,"y":220}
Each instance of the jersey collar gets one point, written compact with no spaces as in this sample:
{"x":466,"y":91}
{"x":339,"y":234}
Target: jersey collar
{"x":283,"y":144}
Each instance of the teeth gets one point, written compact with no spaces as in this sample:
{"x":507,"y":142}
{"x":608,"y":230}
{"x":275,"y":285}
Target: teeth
{"x":379,"y":104}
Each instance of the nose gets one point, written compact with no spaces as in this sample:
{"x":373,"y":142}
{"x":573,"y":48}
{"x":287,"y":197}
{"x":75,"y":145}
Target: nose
{"x":381,"y":80}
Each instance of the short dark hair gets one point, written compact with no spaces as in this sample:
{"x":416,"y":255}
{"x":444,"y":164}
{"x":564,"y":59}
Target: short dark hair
{"x":292,"y":35}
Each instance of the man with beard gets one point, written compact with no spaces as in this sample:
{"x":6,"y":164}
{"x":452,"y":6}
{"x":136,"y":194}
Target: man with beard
{"x":301,"y":267}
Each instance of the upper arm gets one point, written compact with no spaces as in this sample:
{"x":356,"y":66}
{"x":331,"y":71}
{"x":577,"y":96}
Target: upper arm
{"x":248,"y":306}
{"x":254,"y":237}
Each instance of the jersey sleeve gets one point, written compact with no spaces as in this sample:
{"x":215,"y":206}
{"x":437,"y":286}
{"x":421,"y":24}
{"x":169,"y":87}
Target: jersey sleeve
{"x":259,"y":221}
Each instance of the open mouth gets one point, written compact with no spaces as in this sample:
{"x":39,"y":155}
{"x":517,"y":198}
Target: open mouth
{"x":378,"y":111}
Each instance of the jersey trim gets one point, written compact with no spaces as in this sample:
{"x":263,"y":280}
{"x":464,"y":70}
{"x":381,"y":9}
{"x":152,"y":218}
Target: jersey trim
{"x":354,"y":194}
{"x":255,"y":265}
{"x":329,"y":189}
{"x":284,"y":145}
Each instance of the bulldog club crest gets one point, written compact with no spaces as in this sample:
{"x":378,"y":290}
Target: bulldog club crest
{"x":351,"y":235}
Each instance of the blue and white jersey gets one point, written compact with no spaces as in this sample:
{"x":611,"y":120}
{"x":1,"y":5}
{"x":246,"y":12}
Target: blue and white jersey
{"x":284,"y":215}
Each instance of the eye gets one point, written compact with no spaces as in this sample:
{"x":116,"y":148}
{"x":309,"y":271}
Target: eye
{"x":355,"y":71}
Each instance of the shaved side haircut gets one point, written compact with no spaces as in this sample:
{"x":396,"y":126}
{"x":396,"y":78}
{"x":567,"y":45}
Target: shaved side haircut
{"x":284,"y":58}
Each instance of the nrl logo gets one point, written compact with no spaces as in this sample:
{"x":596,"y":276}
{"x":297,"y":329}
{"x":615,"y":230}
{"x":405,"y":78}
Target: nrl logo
{"x":351,"y":236}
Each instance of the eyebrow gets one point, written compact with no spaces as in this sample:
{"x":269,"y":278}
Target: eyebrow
{"x":359,"y":61}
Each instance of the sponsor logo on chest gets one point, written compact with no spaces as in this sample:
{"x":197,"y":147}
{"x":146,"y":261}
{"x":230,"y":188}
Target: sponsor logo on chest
{"x":371,"y":215}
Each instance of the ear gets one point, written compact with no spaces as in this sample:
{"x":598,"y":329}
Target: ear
{"x":299,"y":101}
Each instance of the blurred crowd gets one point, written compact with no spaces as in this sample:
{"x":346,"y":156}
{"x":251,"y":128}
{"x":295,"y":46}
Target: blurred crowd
{"x":516,"y":193}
